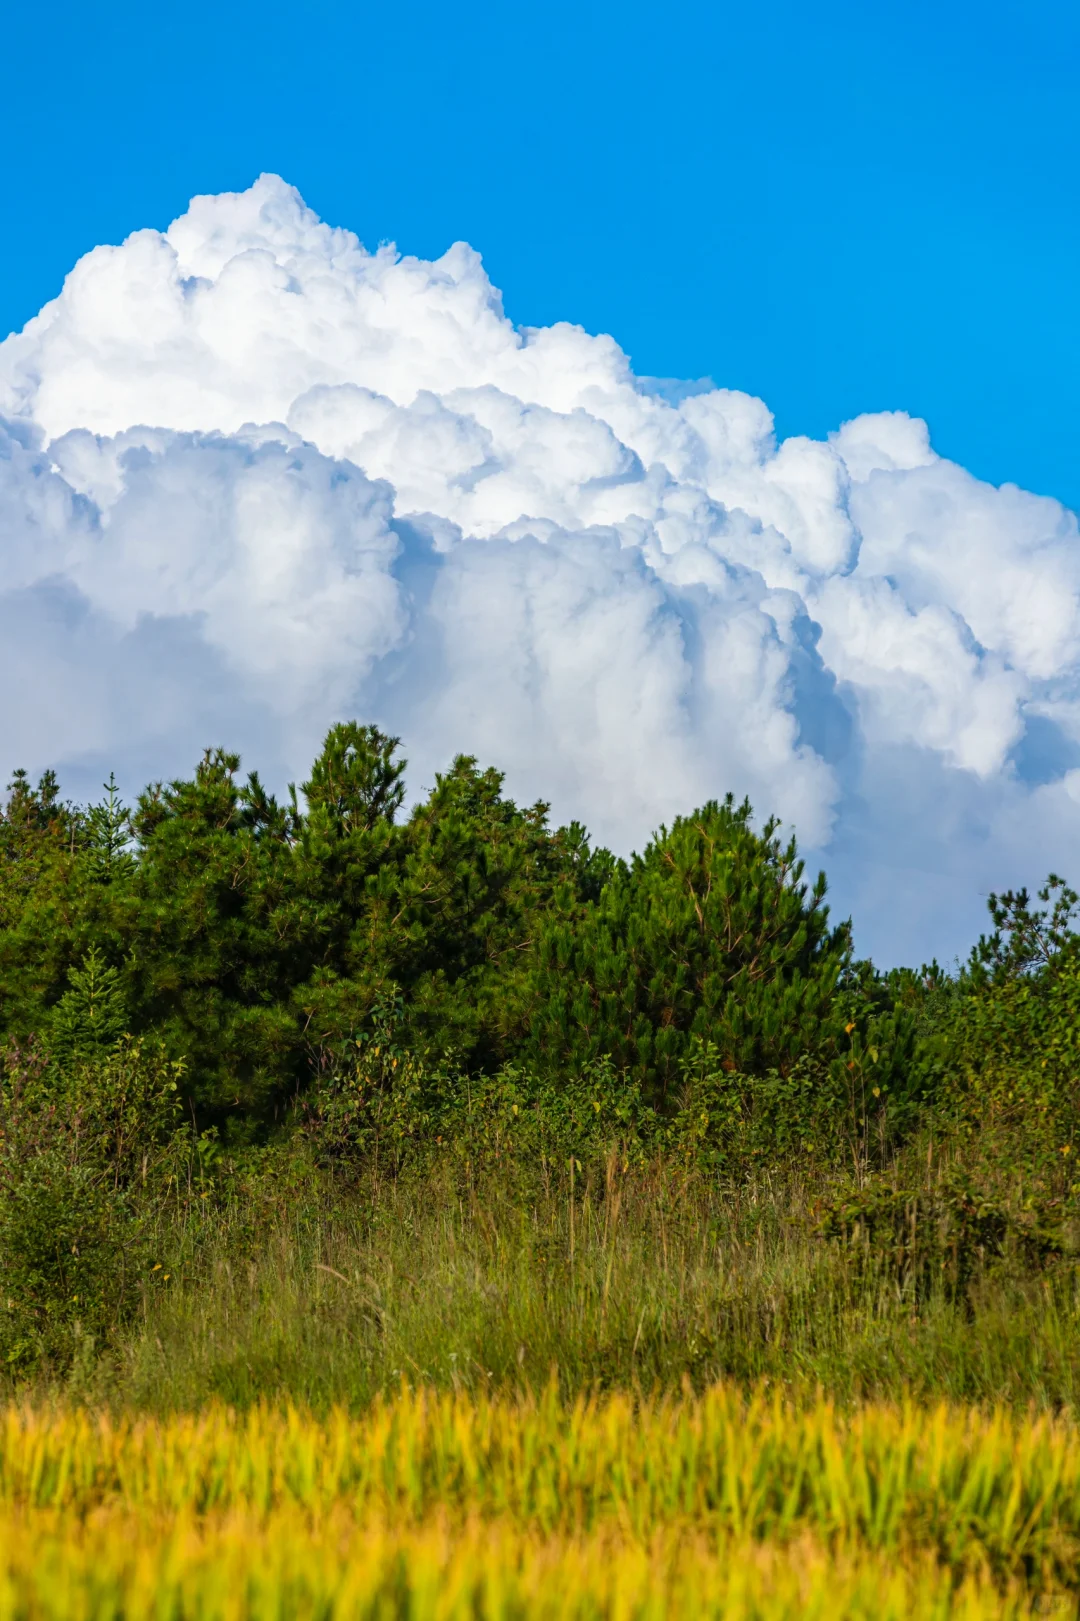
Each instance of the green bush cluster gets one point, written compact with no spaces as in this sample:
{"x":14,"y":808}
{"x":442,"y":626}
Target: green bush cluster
{"x":89,"y":1155}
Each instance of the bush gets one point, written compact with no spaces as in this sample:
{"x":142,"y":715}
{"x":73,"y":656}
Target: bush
{"x":89,"y":1154}
{"x":381,"y":1106}
{"x":1004,"y":1046}
{"x":936,"y":1238}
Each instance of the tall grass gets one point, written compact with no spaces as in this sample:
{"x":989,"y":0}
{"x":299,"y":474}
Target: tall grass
{"x":636,"y":1279}
{"x":282,"y":1568}
{"x":460,"y":1506}
{"x":617,"y":1394}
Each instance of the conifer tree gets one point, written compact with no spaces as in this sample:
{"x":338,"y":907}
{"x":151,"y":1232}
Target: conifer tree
{"x":711,"y":932}
{"x":254,"y":938}
{"x":91,"y":1016}
{"x":356,"y":782}
{"x":108,"y":838}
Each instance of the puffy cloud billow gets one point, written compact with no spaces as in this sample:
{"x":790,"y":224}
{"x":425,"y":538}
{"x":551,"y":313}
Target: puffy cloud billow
{"x":254,"y":478}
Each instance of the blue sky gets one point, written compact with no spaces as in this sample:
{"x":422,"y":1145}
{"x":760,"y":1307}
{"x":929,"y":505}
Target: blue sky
{"x":842,"y":208}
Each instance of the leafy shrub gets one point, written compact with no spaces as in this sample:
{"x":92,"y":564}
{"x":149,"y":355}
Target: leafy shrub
{"x":1004,"y":1047}
{"x":382,"y":1105}
{"x":826,"y":1107}
{"x":89,"y":1153}
{"x":375,"y":1100}
{"x":937,"y":1237}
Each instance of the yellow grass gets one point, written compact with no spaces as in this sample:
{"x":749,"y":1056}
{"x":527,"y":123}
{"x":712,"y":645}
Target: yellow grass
{"x":449,"y":1507}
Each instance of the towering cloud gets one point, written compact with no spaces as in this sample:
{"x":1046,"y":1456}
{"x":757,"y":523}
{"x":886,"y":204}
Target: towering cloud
{"x":254,"y":478}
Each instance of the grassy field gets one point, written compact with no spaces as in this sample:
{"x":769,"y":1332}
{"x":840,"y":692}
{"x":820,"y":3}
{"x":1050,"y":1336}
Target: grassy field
{"x":648,"y":1396}
{"x":459,"y":1506}
{"x":639,"y":1282}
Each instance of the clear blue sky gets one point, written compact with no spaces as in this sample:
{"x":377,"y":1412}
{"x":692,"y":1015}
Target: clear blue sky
{"x":841,"y":208}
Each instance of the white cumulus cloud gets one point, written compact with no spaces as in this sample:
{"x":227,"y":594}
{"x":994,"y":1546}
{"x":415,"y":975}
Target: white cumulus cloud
{"x":254,"y":478}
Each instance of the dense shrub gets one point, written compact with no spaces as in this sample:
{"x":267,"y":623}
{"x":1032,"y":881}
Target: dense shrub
{"x":933,"y":1239}
{"x":90,"y":1153}
{"x":1003,"y":1044}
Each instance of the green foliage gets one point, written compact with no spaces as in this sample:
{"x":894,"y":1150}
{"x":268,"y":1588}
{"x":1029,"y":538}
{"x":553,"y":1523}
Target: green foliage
{"x":89,"y":1153}
{"x":356,"y":782}
{"x":934,"y":1239}
{"x":1003,"y":1047}
{"x":1024,"y":940}
{"x":702,"y":986}
{"x":729,"y":1120}
{"x":107,"y":838}
{"x":218,"y":933}
{"x":38,"y":843}
{"x":91,"y":1016}
{"x":383,"y":1107}
{"x":225,"y":1008}
{"x":376,"y":1102}
{"x":32,"y":810}
{"x":710,"y":937}
{"x":256,"y":938}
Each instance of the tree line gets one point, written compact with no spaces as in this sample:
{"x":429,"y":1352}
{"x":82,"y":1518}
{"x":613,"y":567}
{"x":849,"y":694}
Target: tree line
{"x":256,"y":939}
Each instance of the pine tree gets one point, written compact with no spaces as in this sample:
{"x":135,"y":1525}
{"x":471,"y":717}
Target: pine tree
{"x":356,"y":781}
{"x":40,"y":908}
{"x":91,"y":1016}
{"x":108,"y":837}
{"x":710,"y":933}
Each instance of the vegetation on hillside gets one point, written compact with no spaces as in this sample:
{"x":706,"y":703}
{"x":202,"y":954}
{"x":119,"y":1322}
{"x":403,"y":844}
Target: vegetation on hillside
{"x":426,"y":1214}
{"x":244,"y":1032}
